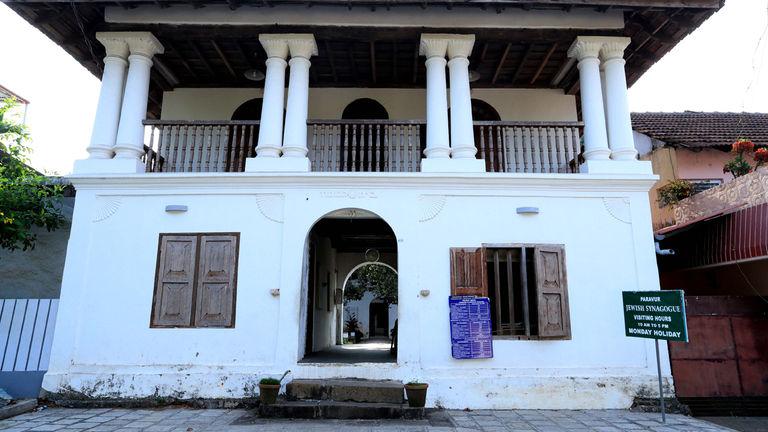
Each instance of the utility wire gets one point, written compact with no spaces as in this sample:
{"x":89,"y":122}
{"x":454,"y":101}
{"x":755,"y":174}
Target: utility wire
{"x":87,"y":41}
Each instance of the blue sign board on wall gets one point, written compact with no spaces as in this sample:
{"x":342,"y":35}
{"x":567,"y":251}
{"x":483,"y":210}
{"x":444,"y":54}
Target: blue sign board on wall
{"x":471,"y":336}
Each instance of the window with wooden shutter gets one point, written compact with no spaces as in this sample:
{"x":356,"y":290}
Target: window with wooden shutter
{"x":528,"y":291}
{"x":195,"y":285}
{"x":552,"y":293}
{"x":468,"y":273}
{"x":174,"y":289}
{"x":216,"y":281}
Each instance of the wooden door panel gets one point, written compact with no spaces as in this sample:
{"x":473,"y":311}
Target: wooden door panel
{"x":174,"y":288}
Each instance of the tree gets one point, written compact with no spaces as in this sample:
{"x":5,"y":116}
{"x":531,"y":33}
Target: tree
{"x":376,"y":278}
{"x":27,"y":198}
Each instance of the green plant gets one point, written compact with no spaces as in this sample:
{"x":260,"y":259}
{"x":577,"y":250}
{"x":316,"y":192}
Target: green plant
{"x":352,"y":323}
{"x":739,"y":166}
{"x":27,"y":198}
{"x":675,"y":190}
{"x":376,"y":278}
{"x":269,"y":381}
{"x":415,"y":383}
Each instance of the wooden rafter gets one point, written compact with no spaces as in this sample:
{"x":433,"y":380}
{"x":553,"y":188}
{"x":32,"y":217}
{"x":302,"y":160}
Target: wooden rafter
{"x":394,"y":60}
{"x":223,"y":58}
{"x":329,"y":53}
{"x":520,"y":66}
{"x":372,"y":47}
{"x":201,"y":57}
{"x":501,"y":63}
{"x":172,"y":47}
{"x":543,"y":63}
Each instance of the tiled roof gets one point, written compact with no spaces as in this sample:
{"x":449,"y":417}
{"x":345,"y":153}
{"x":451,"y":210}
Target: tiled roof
{"x":702,"y":129}
{"x":5,"y":93}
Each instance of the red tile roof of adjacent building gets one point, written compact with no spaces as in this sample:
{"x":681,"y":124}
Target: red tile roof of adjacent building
{"x":702,"y":129}
{"x":5,"y":92}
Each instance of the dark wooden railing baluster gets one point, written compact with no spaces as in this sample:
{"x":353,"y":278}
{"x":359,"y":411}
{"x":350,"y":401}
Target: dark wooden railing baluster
{"x":384,"y":145}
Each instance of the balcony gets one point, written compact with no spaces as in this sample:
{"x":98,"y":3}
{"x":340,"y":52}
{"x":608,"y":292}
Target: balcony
{"x":361,"y":145}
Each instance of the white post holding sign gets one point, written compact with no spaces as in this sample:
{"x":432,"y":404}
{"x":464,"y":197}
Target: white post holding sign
{"x":656,"y":315}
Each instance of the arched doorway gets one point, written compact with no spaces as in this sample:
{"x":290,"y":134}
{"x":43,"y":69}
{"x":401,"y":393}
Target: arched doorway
{"x":248,"y":110}
{"x":361,"y":144}
{"x":483,"y":111}
{"x":365,"y":109}
{"x":486,"y":136}
{"x":243,"y":131}
{"x":370,"y":298}
{"x":340,"y":247}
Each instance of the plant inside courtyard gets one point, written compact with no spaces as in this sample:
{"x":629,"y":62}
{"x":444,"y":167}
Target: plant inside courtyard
{"x":376,"y":278}
{"x":28,"y":200}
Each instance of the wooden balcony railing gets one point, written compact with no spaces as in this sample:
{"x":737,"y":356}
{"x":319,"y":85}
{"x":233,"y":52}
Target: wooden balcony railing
{"x":200,"y":146}
{"x":361,"y":145}
{"x":528,"y":147}
{"x":366,"y":145}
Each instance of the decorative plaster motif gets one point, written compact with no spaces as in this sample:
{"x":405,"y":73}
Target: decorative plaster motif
{"x":619,"y":209}
{"x":274,"y":45}
{"x":460,"y":46}
{"x":271,"y":206}
{"x":142,"y":43}
{"x":614,"y":49}
{"x":105,"y":207}
{"x":746,"y":191}
{"x":434,"y":45}
{"x":350,"y":195}
{"x":114,"y":44}
{"x":430,"y":206}
{"x":584,"y":48}
{"x":302,"y":45}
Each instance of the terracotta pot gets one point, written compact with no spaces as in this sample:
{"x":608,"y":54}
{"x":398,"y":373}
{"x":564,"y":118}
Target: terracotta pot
{"x":417,"y":395}
{"x":268,"y":393}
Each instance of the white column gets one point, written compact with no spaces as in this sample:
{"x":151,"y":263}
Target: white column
{"x":462,"y":131}
{"x":107,"y":116}
{"x":301,"y":47}
{"x":130,"y":134}
{"x":586,"y":50}
{"x":271,"y":125}
{"x":435,"y":47}
{"x":617,"y":115}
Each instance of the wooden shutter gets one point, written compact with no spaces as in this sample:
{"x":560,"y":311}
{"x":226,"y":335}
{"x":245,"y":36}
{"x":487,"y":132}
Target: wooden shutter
{"x":174,"y":284}
{"x":216,"y":279}
{"x":469,"y":272}
{"x":552,"y":292}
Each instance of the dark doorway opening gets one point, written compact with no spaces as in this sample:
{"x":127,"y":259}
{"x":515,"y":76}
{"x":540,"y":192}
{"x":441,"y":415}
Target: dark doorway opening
{"x":339,"y":250}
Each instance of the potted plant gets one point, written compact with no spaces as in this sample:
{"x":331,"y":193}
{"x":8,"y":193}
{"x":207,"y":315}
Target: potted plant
{"x":268,"y":390}
{"x":416,"y":392}
{"x":675,"y":190}
{"x":352,"y":327}
{"x":739,"y":166}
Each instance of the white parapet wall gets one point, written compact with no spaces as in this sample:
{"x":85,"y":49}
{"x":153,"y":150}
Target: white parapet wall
{"x":104,"y":346}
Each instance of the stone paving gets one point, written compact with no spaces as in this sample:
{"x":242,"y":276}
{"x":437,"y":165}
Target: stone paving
{"x":191,"y":420}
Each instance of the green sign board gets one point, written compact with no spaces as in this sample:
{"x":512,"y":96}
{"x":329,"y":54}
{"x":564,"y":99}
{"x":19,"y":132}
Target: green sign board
{"x":655,"y":315}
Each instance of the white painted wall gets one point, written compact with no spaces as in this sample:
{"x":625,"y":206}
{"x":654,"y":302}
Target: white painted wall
{"x":361,"y":308}
{"x":324,"y":327}
{"x":401,"y":104}
{"x":603,"y":221}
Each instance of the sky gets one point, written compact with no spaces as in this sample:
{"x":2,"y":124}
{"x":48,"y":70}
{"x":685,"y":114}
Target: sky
{"x":720,"y":67}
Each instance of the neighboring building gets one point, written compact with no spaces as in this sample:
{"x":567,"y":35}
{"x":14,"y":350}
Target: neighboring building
{"x":692,"y":146}
{"x":29,"y":298}
{"x":23,"y":103}
{"x":720,"y":241}
{"x":206,"y":241}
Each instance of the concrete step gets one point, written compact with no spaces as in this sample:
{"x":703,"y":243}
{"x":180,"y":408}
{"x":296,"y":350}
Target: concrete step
{"x":325,"y":409}
{"x":346,"y":390}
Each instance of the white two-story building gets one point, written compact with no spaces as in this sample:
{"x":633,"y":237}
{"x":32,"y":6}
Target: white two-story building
{"x":247,"y":156}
